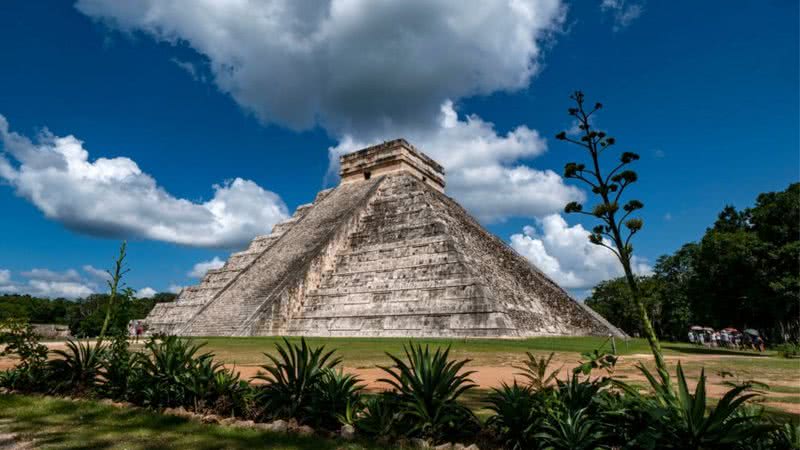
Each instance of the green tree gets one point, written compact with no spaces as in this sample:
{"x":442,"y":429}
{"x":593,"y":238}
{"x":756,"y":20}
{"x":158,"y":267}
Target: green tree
{"x":617,"y":227}
{"x":672,"y":277}
{"x":612,"y":299}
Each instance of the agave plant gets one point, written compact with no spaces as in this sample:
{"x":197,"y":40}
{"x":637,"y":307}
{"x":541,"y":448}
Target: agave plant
{"x":378,"y":415}
{"x":428,"y":386}
{"x":535,"y":370}
{"x":572,"y":430}
{"x":293,"y":378}
{"x":685,"y":420}
{"x":78,"y":368}
{"x":336,"y":393}
{"x":513,"y":420}
{"x":167,"y":376}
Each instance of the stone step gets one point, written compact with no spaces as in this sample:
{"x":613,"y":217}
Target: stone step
{"x":389,"y":287}
{"x":396,"y":233}
{"x":355,"y":266}
{"x":392,"y":278}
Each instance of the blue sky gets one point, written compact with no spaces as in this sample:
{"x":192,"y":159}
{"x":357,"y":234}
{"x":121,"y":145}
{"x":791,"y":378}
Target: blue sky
{"x":180,"y":99}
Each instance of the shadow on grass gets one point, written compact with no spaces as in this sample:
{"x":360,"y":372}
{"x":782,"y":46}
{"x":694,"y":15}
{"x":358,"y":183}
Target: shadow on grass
{"x":713,"y":351}
{"x":90,"y":425}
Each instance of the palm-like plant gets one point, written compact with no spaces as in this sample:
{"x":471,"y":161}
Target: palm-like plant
{"x":513,"y":420}
{"x":684,"y":420}
{"x":292,"y":378}
{"x":535,"y":370}
{"x":428,"y":387}
{"x":78,"y":368}
{"x":572,"y":430}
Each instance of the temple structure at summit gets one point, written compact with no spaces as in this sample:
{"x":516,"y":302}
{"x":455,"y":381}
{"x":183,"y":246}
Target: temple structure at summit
{"x":385,"y":253}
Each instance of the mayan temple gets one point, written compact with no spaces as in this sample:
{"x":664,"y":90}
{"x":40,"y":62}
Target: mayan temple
{"x":385,"y":253}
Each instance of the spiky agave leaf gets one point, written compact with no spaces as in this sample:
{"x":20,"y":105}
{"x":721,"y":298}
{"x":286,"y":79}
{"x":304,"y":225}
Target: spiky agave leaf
{"x":78,"y":368}
{"x":291,"y":378}
{"x":428,"y":386}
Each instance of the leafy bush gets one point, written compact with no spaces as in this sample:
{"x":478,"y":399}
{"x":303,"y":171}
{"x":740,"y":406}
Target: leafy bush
{"x":167,"y":373}
{"x":513,"y":420}
{"x":377,"y":415}
{"x":535,"y":370}
{"x":117,"y":368}
{"x":572,"y":430}
{"x":30,"y":373}
{"x":293,"y":379}
{"x":77,"y":370}
{"x":788,"y":349}
{"x":336,"y":393}
{"x":428,"y":387}
{"x":684,"y":420}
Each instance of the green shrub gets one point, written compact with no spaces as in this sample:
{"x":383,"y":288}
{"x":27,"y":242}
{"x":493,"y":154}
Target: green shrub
{"x":535,"y":370}
{"x":77,"y":370}
{"x":684,"y":420}
{"x":572,"y":430}
{"x":292,"y":380}
{"x":788,"y":349}
{"x":20,"y":341}
{"x":513,"y":421}
{"x":377,"y":415}
{"x":336,"y":393}
{"x":117,"y":368}
{"x":167,"y":373}
{"x":428,"y":386}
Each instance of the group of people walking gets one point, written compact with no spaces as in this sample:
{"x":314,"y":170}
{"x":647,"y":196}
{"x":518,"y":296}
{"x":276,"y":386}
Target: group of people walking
{"x":727,"y":338}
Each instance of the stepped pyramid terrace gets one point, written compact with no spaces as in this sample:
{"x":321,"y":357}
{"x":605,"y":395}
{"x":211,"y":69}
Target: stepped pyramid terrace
{"x":385,"y":253}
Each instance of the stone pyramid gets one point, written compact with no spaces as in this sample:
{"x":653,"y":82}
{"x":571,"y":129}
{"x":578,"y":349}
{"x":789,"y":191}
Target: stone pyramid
{"x":386,"y":253}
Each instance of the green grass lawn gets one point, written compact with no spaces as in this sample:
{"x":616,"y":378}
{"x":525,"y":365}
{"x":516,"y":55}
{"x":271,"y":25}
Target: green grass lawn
{"x":366,"y":352}
{"x":61,"y":424}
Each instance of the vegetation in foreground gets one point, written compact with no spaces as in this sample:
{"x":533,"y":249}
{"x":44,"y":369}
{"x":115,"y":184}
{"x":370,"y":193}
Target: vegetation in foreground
{"x":427,"y":400}
{"x":61,"y":424}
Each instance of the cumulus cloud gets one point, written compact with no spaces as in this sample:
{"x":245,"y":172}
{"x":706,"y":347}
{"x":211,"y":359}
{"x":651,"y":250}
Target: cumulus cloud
{"x":199,"y":270}
{"x":113,"y":197}
{"x":145,"y":292}
{"x":94,"y":272}
{"x":481,"y":166}
{"x":47,"y":283}
{"x":353,"y":66}
{"x":623,"y":11}
{"x":565,"y":254}
{"x":175,"y":288}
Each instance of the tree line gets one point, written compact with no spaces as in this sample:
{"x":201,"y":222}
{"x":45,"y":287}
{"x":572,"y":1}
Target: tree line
{"x":743,"y":273}
{"x":84,"y":316}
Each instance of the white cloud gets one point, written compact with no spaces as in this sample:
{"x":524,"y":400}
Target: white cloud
{"x":145,"y":292}
{"x":481,"y":168}
{"x":199,"y":270}
{"x":96,"y":273}
{"x":565,"y":254}
{"x":50,"y":275}
{"x":623,"y":11}
{"x":175,"y":289}
{"x":354,"y":66}
{"x":113,"y":197}
{"x":191,"y":69}
{"x":47,"y":283}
